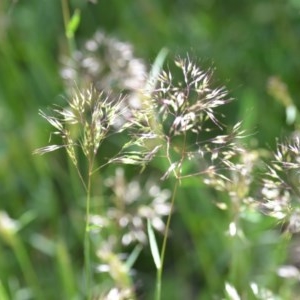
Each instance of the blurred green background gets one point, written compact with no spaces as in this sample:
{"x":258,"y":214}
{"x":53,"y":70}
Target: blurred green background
{"x":247,"y":42}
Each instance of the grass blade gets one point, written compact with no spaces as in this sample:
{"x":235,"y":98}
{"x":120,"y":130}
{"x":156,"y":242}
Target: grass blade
{"x":153,"y":245}
{"x":133,"y":256}
{"x":156,"y":69}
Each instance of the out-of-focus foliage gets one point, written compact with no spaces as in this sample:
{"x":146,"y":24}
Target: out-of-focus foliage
{"x":218,"y":244}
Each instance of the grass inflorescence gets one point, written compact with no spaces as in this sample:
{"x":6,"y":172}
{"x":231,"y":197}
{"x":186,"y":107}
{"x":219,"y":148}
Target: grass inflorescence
{"x":173,"y":119}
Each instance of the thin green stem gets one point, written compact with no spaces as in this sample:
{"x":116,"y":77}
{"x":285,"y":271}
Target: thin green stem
{"x":87,"y":246}
{"x":81,"y":179}
{"x":164,"y":245}
{"x":87,"y":243}
{"x":158,"y":284}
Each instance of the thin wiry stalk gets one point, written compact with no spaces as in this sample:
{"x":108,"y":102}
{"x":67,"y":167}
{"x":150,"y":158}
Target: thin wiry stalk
{"x":87,"y":247}
{"x":164,"y":245}
{"x":87,"y":244}
{"x":168,"y":223}
{"x":82,"y":180}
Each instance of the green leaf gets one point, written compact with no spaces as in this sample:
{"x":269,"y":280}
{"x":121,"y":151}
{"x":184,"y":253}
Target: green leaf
{"x":73,"y":24}
{"x":27,"y":218}
{"x":153,"y":245}
{"x":156,"y":69}
{"x":133,"y":256}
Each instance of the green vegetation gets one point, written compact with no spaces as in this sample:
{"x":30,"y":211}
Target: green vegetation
{"x":174,"y":168}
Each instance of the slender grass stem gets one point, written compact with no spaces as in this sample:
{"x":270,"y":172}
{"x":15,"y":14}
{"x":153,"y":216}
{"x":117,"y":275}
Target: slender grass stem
{"x":87,"y":246}
{"x":87,"y":243}
{"x":164,"y":245}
